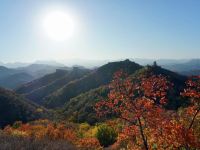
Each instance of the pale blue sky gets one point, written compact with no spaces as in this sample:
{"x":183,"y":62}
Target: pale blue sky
{"x":105,"y":29}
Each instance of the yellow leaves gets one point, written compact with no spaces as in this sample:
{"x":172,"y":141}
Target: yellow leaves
{"x":87,"y":131}
{"x":12,"y":131}
{"x":19,"y":133}
{"x":84,"y":126}
{"x":39,"y":110}
{"x":91,"y":132}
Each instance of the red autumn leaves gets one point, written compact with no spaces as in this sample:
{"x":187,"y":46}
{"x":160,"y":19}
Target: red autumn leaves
{"x":140,"y":103}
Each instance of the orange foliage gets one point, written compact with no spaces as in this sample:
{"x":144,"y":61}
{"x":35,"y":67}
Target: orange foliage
{"x":89,"y":144}
{"x":41,"y":129}
{"x":149,"y":124}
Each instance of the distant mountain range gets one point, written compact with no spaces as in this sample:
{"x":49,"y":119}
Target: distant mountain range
{"x":14,"y":64}
{"x":191,"y":67}
{"x":23,"y":64}
{"x":14,"y":77}
{"x":161,"y":62}
{"x":39,"y":70}
{"x":170,"y":63}
{"x":182,"y":66}
{"x":28,"y":72}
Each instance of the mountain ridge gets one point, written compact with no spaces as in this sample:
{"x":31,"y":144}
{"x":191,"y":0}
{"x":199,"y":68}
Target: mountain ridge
{"x":101,"y":76}
{"x":38,"y":94}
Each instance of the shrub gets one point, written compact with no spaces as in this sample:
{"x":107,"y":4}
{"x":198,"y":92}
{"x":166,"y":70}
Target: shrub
{"x":17,"y":124}
{"x":106,"y":135}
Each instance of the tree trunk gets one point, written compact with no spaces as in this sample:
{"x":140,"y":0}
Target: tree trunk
{"x":142,"y":134}
{"x":194,"y":118}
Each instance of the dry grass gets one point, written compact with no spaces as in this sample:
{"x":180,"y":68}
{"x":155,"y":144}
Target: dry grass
{"x":8,"y":142}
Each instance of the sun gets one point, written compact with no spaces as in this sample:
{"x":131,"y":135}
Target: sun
{"x":58,"y":25}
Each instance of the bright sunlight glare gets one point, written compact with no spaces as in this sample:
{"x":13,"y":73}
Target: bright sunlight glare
{"x":58,"y":25}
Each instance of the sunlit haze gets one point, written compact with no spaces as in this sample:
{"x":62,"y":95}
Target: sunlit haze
{"x":58,"y":25}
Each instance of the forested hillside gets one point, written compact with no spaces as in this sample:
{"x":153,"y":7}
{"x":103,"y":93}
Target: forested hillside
{"x":81,"y":108}
{"x":102,"y":76}
{"x":37,"y":90}
{"x":35,"y":84}
{"x":14,"y":107}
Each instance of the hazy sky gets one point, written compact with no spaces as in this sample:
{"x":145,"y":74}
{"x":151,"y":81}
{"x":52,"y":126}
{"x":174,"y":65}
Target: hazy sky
{"x":104,"y":29}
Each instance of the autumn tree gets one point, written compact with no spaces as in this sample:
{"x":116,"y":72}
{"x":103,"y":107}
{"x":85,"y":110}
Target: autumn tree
{"x":135,"y":101}
{"x":191,"y":117}
{"x":193,"y":92}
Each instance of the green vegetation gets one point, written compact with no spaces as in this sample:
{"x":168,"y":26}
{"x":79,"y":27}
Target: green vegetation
{"x":14,"y":107}
{"x":106,"y":135}
{"x":81,"y":108}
